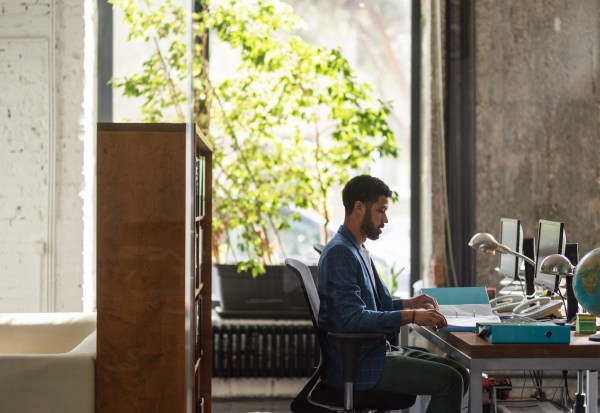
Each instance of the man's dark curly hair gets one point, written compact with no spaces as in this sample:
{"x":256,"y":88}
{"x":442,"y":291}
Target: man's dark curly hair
{"x":364,"y":188}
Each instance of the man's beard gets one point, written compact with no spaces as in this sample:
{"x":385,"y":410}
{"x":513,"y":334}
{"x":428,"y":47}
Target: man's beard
{"x":367,"y":226}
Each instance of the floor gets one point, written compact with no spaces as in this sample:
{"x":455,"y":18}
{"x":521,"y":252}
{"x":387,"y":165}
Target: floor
{"x":276,"y":405}
{"x":251,"y":405}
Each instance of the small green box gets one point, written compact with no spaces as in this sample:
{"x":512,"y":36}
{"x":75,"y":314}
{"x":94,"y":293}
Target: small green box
{"x":585,"y":324}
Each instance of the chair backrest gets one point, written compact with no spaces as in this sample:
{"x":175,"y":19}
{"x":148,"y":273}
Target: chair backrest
{"x":319,"y":248}
{"x":308,"y":288}
{"x":301,"y":403}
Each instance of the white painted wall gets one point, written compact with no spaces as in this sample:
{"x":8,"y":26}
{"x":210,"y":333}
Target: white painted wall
{"x":24,"y":169}
{"x":41,"y":156}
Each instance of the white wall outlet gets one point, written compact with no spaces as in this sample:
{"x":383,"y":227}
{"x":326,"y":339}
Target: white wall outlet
{"x":40,"y":247}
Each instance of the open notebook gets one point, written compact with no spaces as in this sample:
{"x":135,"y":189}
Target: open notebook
{"x":463,"y":307}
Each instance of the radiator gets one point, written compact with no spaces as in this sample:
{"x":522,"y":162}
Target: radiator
{"x":241,"y":350}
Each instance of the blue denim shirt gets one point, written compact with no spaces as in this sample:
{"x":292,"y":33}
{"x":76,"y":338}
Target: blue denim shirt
{"x":349,"y":304}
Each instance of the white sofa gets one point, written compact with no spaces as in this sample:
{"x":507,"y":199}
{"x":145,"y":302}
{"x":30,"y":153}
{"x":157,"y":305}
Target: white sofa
{"x":47,"y":362}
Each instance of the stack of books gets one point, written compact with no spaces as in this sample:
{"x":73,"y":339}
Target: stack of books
{"x":200,"y":187}
{"x":198,"y":259}
{"x":198,"y":327}
{"x":586,"y":324}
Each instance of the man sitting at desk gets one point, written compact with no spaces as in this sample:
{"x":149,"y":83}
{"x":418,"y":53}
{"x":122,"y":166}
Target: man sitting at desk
{"x":354,"y":299}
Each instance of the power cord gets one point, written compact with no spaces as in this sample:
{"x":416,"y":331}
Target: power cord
{"x":564,"y":372}
{"x":554,"y":395}
{"x":537,"y":377}
{"x":522,"y":288}
{"x":564,"y":304}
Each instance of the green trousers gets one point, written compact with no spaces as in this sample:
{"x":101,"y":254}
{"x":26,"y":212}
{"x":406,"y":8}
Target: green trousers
{"x":409,"y":371}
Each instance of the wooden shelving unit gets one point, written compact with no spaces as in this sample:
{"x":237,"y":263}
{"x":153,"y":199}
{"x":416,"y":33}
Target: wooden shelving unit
{"x":202,"y":282}
{"x":141,"y":271}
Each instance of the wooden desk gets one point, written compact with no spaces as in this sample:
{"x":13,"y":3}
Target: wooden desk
{"x":479,"y":355}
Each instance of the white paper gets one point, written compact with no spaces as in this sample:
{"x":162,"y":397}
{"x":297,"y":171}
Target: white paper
{"x":465,"y":310}
{"x":471,"y":321}
{"x":468,"y":315}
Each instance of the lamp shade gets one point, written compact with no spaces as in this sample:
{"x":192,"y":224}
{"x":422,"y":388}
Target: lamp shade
{"x":484,"y":242}
{"x":557,"y":264}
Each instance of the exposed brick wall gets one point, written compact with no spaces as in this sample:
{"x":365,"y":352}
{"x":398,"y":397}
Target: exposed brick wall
{"x":24,"y":130}
{"x":24,"y":166}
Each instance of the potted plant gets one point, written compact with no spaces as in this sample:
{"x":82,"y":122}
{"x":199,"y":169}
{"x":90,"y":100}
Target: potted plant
{"x":267,"y":166}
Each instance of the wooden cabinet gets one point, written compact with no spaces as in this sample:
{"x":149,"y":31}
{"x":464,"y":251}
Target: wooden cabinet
{"x":141,"y":270}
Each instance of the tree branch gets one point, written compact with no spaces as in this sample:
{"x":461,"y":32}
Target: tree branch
{"x":170,"y":84}
{"x":387,"y":51}
{"x":317,"y":157}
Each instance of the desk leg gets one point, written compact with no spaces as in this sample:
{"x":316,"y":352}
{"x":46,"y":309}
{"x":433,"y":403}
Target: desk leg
{"x":592,"y":391}
{"x":404,"y":335}
{"x":475,"y":388}
{"x":403,"y":341}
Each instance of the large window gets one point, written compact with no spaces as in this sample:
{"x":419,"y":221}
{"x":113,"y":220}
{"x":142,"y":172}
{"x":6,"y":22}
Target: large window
{"x":375,"y":37}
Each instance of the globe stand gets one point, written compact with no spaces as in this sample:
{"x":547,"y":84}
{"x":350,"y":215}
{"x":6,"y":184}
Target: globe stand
{"x":595,"y":337}
{"x":579,"y":406}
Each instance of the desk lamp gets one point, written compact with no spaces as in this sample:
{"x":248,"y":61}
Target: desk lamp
{"x":487,"y":243}
{"x":557,"y":264}
{"x":560,"y":265}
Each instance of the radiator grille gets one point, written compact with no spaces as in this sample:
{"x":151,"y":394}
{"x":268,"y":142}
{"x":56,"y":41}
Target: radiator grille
{"x":264,"y":350}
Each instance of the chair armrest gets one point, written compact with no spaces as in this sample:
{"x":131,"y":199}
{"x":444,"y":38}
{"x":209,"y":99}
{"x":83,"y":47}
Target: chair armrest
{"x":350,"y":343}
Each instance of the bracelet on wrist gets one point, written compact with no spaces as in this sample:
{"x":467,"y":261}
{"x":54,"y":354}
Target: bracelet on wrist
{"x":413,"y":319}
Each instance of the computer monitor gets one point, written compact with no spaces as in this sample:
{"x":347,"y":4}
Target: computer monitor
{"x":551,"y":240}
{"x":529,"y":252}
{"x":511,"y":235}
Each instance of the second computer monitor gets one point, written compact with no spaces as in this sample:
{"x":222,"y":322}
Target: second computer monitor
{"x":551,"y":240}
{"x":511,"y":235}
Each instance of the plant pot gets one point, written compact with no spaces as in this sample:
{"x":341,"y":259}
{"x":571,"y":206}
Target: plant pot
{"x":274,"y":295}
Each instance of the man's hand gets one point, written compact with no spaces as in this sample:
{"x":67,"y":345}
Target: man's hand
{"x":420,"y":301}
{"x":430,"y":318}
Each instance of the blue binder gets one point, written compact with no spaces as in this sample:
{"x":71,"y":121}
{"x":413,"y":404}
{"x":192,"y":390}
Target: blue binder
{"x":525,"y":333}
{"x":458,"y":295}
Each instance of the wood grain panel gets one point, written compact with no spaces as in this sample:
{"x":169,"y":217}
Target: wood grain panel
{"x":477,"y":347}
{"x":140,"y":269}
{"x":202,"y":142}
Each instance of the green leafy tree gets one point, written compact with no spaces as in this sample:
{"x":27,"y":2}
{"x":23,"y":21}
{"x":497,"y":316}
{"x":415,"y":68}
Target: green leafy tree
{"x":281,"y":82}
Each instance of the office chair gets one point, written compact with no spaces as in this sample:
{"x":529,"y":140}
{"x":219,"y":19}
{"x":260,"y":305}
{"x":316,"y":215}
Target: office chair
{"x":319,"y":248}
{"x":318,"y":397}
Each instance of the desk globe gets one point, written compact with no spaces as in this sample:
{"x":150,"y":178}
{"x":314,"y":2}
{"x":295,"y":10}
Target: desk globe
{"x":586,"y":284}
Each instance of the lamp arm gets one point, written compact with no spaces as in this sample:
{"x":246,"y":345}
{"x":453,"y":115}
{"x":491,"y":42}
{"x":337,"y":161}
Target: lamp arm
{"x":529,"y":260}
